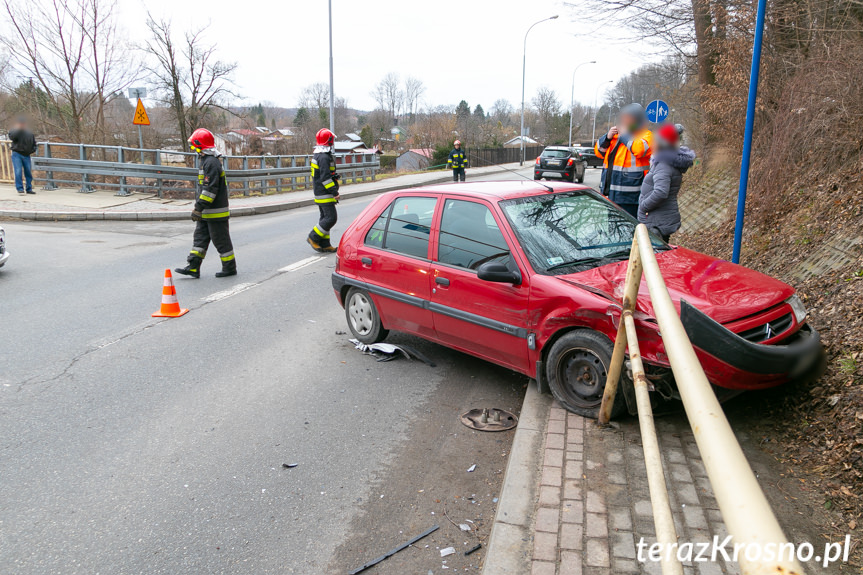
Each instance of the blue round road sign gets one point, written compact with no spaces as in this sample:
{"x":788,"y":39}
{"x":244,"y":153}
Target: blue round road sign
{"x":657,"y":111}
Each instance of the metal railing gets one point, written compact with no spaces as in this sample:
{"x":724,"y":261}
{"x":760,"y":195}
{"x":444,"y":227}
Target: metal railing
{"x":745,"y":510}
{"x":124,"y":170}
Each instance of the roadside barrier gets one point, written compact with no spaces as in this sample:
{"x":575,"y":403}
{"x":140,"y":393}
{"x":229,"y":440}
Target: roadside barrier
{"x":747,"y":514}
{"x":7,"y":175}
{"x":89,"y":167}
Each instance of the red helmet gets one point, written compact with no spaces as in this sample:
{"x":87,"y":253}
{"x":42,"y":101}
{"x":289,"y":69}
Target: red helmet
{"x":457,"y":143}
{"x":202,"y":139}
{"x":324,"y":137}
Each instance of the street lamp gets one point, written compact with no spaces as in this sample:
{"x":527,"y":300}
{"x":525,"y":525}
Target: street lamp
{"x":523,"y":73}
{"x":572,"y":98}
{"x":595,"y":109}
{"x":332,"y":101}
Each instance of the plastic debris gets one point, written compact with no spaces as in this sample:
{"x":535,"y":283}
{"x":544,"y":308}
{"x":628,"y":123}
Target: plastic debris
{"x":476,"y":547}
{"x":464,"y":526}
{"x":389,"y":351}
{"x":395,"y":550}
{"x":289,"y":465}
{"x":447,"y":551}
{"x":471,"y":468}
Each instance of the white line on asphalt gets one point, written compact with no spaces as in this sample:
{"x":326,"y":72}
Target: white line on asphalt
{"x":220,"y":295}
{"x":301,"y":264}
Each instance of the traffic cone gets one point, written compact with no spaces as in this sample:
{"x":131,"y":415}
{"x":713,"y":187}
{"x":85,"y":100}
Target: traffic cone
{"x":170,"y":305}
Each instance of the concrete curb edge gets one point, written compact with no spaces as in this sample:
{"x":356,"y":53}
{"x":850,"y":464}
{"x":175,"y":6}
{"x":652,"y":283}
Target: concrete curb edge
{"x":510,"y":545}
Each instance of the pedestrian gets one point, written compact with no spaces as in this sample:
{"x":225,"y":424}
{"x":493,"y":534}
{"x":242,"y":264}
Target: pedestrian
{"x":625,"y":152}
{"x":457,"y":162}
{"x":326,"y":187}
{"x":211,"y":212}
{"x":23,"y":146}
{"x":657,"y":207}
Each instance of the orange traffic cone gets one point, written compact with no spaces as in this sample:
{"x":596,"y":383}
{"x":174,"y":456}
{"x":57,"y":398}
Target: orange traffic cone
{"x":170,"y":305}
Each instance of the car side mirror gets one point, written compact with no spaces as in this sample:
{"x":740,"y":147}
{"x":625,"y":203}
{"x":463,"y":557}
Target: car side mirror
{"x":498,"y":272}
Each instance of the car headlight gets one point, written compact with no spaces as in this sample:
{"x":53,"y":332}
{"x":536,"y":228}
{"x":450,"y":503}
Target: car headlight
{"x":797,"y":307}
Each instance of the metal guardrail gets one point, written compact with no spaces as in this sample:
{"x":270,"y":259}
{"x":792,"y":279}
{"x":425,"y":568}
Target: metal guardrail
{"x":126,"y":169}
{"x":744,"y":508}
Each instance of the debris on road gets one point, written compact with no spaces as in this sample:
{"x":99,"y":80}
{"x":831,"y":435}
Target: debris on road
{"x":471,"y":468}
{"x":447,"y":551}
{"x":464,"y":526}
{"x":289,"y":465}
{"x":340,"y":332}
{"x":395,"y":550}
{"x":389,"y":351}
{"x":473,"y":549}
{"x":489,"y":419}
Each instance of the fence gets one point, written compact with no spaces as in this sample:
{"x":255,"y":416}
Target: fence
{"x":744,"y":508}
{"x":127,"y":169}
{"x":480,"y":157}
{"x":6,"y":175}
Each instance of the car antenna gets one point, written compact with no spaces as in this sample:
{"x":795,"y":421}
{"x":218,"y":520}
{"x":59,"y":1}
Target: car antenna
{"x":537,"y":182}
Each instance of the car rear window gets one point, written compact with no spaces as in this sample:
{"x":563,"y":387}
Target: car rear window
{"x":404,"y":227}
{"x":555,"y":153}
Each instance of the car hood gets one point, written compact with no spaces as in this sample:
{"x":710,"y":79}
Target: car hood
{"x":721,"y":289}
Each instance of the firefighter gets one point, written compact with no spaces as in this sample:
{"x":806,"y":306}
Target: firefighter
{"x":457,"y":161}
{"x":211,"y":211}
{"x":326,"y":185}
{"x":625,"y":151}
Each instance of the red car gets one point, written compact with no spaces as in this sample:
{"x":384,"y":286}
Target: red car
{"x":530,"y":276}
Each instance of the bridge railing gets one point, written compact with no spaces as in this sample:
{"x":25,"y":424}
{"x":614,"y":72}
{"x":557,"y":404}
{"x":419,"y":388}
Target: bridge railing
{"x":91,"y":167}
{"x":745,"y":510}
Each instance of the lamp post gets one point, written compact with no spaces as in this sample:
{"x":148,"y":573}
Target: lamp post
{"x":332,"y":101}
{"x":595,"y":109}
{"x":572,"y":98}
{"x":523,"y":74}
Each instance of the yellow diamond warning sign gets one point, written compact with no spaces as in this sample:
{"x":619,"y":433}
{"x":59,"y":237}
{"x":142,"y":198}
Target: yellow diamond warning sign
{"x":141,"y":117}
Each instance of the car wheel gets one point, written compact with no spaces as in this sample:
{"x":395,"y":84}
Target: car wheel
{"x":537,"y":178}
{"x":576,"y":369}
{"x":363,"y":318}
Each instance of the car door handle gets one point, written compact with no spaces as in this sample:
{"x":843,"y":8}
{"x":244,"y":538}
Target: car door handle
{"x":367,"y":261}
{"x":441,"y":281}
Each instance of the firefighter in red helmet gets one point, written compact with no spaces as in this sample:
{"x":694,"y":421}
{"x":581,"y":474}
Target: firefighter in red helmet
{"x":211,"y":211}
{"x":326,"y":186}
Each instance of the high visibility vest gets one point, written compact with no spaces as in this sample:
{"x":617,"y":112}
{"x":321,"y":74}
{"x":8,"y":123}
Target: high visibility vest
{"x":623,"y":174}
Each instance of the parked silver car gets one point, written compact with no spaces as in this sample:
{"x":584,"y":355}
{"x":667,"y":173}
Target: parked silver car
{"x":4,"y":253}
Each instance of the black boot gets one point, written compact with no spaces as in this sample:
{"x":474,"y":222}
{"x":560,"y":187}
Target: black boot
{"x":227,"y":271}
{"x":189,"y":271}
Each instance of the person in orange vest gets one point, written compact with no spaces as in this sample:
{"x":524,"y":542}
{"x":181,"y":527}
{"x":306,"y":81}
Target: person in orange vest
{"x":625,"y":151}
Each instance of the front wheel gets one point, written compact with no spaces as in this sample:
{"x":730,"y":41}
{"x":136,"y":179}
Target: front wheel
{"x":364,"y":320}
{"x":577,"y":367}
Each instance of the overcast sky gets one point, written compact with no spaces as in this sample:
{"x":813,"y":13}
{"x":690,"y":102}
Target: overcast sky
{"x":463,"y":49}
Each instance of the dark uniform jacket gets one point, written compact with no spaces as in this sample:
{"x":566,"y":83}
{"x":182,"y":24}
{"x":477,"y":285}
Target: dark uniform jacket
{"x":212,"y":199}
{"x":457,"y":159}
{"x":323,"y":171}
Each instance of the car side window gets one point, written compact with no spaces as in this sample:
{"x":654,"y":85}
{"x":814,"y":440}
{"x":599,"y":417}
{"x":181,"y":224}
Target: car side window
{"x":470,"y":236}
{"x":404,"y":227}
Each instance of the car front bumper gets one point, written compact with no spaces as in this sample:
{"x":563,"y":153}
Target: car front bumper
{"x":733,"y":362}
{"x":3,"y":257}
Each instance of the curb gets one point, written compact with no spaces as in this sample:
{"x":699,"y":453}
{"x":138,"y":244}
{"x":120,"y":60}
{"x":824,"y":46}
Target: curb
{"x":510,"y":545}
{"x":44,"y":216}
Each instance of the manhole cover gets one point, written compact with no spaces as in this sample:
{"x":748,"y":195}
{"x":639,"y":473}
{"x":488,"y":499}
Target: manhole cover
{"x":492,"y":419}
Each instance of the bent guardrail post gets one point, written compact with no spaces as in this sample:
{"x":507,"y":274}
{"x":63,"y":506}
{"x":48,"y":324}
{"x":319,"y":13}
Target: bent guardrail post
{"x":745,"y":510}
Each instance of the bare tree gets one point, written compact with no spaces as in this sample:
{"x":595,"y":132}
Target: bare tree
{"x":413,"y":91}
{"x":188,"y":77}
{"x":389,"y":95}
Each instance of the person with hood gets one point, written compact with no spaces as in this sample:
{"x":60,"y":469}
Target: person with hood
{"x":211,"y":212}
{"x":657,"y":206}
{"x":457,"y":162}
{"x":625,"y":151}
{"x":326,"y":187}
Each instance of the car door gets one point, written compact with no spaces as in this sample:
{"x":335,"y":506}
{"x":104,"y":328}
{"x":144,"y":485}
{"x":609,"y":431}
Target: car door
{"x":395,"y":264}
{"x":484,"y":318}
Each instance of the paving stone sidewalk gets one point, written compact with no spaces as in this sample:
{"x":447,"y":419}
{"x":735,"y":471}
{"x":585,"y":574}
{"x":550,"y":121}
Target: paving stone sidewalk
{"x":594,"y":504}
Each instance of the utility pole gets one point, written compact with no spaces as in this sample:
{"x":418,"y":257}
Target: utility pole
{"x":332,"y":99}
{"x":572,"y":98}
{"x":523,"y":74}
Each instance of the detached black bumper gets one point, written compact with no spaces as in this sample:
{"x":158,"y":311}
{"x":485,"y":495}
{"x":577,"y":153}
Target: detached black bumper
{"x":793,"y":358}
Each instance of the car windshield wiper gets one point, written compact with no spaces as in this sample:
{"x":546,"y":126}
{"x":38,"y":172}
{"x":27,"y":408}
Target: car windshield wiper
{"x":591,"y":260}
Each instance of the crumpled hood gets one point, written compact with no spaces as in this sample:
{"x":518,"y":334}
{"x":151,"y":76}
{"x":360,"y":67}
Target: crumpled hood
{"x":721,"y":289}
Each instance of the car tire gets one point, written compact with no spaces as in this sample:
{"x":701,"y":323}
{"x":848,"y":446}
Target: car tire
{"x":576,"y":369}
{"x":537,"y":178}
{"x":364,"y":321}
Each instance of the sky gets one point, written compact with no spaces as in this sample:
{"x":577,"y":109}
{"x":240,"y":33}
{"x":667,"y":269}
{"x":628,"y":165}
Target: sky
{"x":464,"y":49}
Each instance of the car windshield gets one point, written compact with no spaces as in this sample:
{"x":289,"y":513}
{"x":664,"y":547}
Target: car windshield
{"x":555,"y":153}
{"x":570,"y":232}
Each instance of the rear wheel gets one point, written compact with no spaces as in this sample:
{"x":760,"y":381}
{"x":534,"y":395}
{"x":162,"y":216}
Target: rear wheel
{"x":363,"y":318}
{"x":577,"y":367}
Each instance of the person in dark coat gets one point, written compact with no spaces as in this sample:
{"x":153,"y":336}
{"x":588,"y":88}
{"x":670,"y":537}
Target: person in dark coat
{"x":23,"y":146}
{"x":657,"y":204}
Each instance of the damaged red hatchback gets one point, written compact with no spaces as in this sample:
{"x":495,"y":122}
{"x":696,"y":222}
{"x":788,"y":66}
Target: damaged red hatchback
{"x":531,"y":276}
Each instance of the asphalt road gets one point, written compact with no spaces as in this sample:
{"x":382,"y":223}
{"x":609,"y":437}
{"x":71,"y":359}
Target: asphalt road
{"x":140,"y":445}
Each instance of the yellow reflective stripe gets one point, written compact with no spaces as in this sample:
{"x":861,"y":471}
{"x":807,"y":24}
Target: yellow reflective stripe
{"x":330,"y":185}
{"x":224,"y":214}
{"x":325,"y":200}
{"x":314,"y":164}
{"x":198,"y":254}
{"x":207,"y":198}
{"x":227,"y":258}
{"x":319,"y":232}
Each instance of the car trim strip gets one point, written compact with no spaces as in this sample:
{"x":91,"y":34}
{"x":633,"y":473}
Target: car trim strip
{"x":339,"y":281}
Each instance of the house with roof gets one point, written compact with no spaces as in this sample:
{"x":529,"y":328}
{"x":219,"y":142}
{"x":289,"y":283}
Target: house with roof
{"x":516,"y":142}
{"x":414,"y":160}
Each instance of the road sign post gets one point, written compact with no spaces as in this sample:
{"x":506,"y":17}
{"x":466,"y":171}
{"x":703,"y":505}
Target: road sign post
{"x":141,"y":119}
{"x":657,"y":111}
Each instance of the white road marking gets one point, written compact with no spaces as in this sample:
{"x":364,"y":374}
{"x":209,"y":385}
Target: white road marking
{"x":301,"y":264}
{"x":220,"y":295}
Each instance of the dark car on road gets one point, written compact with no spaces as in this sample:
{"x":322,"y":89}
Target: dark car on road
{"x":590,"y":157}
{"x":560,"y":162}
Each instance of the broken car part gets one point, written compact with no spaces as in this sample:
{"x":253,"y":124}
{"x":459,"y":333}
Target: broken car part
{"x":489,"y":419}
{"x":392,"y":552}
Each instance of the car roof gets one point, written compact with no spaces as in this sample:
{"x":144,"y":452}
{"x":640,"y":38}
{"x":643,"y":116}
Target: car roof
{"x":567,"y":148}
{"x":500,"y":190}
